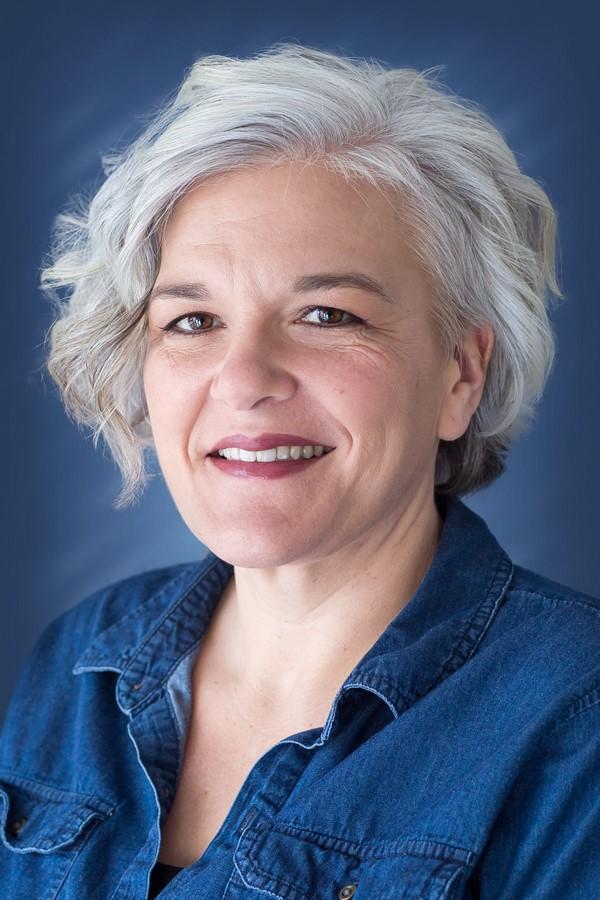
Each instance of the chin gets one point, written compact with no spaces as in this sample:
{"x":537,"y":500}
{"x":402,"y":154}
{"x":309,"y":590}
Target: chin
{"x":255,"y":552}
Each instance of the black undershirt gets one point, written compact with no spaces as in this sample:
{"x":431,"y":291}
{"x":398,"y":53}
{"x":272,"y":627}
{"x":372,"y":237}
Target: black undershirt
{"x":160,"y":876}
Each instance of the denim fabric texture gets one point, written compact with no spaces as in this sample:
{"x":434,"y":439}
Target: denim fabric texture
{"x":460,"y":758}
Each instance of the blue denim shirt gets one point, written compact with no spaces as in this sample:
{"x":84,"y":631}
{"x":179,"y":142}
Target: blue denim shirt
{"x":460,"y":758}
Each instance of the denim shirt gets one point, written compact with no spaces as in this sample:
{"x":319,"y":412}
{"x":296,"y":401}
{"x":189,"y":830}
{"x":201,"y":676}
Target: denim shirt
{"x":460,"y":758}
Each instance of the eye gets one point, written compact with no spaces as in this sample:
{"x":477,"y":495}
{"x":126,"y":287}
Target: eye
{"x":193,"y":318}
{"x":331,"y":312}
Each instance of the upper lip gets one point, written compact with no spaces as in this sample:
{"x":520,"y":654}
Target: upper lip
{"x":264,"y":441}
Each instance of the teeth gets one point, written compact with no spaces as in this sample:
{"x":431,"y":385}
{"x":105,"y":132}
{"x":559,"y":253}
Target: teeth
{"x":266,"y":455}
{"x":274,"y":453}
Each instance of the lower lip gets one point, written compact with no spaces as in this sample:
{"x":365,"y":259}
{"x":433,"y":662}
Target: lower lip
{"x":269,"y":470}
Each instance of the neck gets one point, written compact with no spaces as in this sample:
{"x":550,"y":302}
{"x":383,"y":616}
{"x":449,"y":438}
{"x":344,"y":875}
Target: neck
{"x":291,"y":634}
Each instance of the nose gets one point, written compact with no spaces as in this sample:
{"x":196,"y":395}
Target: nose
{"x":252,"y":370}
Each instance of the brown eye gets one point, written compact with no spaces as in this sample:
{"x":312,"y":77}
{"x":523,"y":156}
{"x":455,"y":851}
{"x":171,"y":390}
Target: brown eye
{"x":195,"y":324}
{"x":332,"y":316}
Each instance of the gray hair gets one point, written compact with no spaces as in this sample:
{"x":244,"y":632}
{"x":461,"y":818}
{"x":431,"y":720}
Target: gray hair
{"x":483,"y":230}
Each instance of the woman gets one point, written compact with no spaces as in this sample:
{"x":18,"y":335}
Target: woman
{"x":317,"y":288}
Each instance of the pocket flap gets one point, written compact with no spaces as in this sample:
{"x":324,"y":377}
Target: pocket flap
{"x":39,"y":818}
{"x":295,"y":863}
{"x":289,"y":862}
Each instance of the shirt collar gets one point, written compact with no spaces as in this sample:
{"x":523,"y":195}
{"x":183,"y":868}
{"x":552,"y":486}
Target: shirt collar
{"x":434,"y":634}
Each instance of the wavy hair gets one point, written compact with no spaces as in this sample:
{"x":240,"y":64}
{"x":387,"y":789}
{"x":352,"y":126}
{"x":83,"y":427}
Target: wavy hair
{"x":482,"y":229}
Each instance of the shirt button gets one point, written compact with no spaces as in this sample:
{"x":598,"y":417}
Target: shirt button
{"x":347,"y":891}
{"x":16,"y":825}
{"x":136,"y":686}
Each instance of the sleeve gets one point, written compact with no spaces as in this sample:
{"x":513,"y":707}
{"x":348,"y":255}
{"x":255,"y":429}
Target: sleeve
{"x":545,"y":845}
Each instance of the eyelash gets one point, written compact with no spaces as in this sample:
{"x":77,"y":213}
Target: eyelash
{"x":356,"y":321}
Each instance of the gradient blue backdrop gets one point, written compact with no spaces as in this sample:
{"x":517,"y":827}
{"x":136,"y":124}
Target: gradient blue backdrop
{"x":77,"y":80}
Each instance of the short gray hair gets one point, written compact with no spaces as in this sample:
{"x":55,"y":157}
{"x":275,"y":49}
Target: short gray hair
{"x":484,"y":231}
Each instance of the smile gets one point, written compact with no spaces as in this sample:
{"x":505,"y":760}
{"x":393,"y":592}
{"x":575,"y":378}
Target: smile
{"x":253,"y":464}
{"x":284,"y":452}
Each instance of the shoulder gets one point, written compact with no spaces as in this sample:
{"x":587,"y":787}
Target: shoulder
{"x":66,"y":635}
{"x":123,"y":609}
{"x":139,"y":597}
{"x":555,"y":610}
{"x":109,"y":604}
{"x":549,"y":637}
{"x":528,"y":584}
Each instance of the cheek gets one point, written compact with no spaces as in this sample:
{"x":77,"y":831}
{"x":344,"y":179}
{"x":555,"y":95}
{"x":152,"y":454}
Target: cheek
{"x":387,"y":397}
{"x":179,"y":363}
{"x":372,"y":382}
{"x":171,"y":393}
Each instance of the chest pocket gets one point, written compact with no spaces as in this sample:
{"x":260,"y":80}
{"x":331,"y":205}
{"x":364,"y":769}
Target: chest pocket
{"x":291,"y":863}
{"x":42,"y":831}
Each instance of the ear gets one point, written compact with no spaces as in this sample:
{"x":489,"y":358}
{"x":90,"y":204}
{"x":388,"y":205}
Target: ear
{"x":465,"y":383}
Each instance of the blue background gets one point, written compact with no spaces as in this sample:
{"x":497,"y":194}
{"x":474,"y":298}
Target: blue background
{"x":77,"y":81}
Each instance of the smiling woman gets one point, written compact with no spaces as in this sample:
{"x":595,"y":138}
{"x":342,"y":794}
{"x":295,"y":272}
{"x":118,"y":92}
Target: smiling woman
{"x":317,"y":289}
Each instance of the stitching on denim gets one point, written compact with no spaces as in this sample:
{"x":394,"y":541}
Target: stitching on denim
{"x":499,"y":600}
{"x":48,"y":789}
{"x":237,"y":850}
{"x":419,"y":847}
{"x":403,"y":700}
{"x":373,"y":690}
{"x":409,"y":846}
{"x":369,"y":848}
{"x":159,"y":690}
{"x":127,"y":654}
{"x":483,"y":610}
{"x":311,"y":836}
{"x":563,"y":601}
{"x":448,"y":666}
{"x":252,"y":857}
{"x":455,"y":882}
{"x":171,"y":608}
{"x":579,"y":705}
{"x":229,"y":881}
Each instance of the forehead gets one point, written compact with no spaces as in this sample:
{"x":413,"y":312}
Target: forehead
{"x":291,"y":208}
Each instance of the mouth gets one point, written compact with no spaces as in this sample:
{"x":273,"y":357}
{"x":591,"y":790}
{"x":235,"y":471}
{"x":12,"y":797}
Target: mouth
{"x":266,"y":441}
{"x":282,"y":453}
{"x":259,"y":466}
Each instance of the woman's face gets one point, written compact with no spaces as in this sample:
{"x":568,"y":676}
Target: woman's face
{"x":251,"y":359}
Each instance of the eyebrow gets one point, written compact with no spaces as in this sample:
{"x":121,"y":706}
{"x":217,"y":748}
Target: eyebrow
{"x":305,"y":284}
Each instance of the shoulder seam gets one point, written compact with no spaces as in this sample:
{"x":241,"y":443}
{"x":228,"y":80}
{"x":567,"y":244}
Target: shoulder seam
{"x":568,"y":601}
